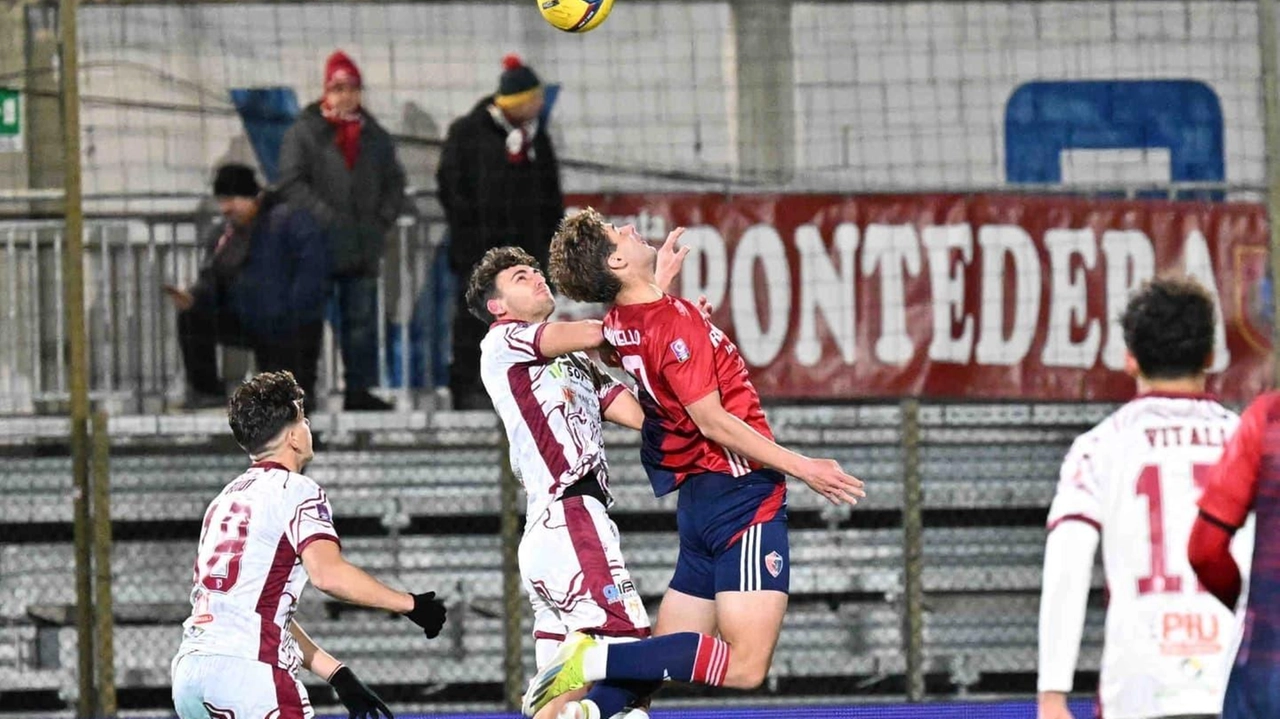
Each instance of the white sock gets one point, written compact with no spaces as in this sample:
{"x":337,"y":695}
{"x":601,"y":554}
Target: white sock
{"x":595,"y":662}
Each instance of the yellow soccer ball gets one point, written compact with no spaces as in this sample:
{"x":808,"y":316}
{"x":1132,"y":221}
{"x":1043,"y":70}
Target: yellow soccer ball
{"x":575,"y":15}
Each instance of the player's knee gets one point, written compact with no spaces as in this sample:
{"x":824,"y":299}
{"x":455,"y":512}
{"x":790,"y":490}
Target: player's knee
{"x":746,"y":674}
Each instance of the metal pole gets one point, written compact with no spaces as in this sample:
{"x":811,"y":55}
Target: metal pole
{"x":103,"y":612}
{"x":1271,"y":123}
{"x":73,"y":292}
{"x":912,"y":551}
{"x":512,"y":597}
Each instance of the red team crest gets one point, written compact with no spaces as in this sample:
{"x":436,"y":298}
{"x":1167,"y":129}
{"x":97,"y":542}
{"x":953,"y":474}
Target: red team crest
{"x":773,"y":563}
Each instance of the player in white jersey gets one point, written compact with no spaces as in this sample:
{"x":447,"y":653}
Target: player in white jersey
{"x":264,"y":536}
{"x":1134,"y":479}
{"x":552,"y":399}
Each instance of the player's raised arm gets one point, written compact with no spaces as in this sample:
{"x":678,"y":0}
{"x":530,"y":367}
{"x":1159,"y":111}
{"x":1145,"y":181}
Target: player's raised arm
{"x":562,"y":338}
{"x":359,"y":699}
{"x":669,"y":261}
{"x":824,"y":476}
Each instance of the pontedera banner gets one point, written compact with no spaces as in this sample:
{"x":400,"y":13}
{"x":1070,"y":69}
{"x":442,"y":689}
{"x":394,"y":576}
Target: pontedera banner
{"x":956,"y":296}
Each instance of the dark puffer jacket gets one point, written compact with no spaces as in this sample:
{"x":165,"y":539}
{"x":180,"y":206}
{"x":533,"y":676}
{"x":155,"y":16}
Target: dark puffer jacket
{"x":357,"y":207}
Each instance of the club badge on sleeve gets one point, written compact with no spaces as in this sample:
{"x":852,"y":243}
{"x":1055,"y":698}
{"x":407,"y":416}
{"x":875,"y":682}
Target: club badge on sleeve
{"x":680,"y":349}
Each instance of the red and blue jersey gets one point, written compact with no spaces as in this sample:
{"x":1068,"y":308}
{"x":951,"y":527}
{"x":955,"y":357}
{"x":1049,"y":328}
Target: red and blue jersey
{"x":1248,"y":479}
{"x":677,"y":357}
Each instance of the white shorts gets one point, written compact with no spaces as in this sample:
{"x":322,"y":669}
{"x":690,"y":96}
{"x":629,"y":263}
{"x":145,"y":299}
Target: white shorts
{"x":572,"y":569}
{"x":207,"y":686}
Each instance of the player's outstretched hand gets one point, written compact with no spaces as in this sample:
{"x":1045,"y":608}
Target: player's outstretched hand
{"x":361,"y":701}
{"x":428,"y":612}
{"x":670,"y":259}
{"x":825,"y":477}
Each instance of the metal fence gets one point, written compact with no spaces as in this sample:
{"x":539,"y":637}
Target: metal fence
{"x":135,"y":363}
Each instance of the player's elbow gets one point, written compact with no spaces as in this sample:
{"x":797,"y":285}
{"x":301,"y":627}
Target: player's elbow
{"x":322,"y":579}
{"x":324,"y":572}
{"x":709,"y":424}
{"x":1206,"y":546}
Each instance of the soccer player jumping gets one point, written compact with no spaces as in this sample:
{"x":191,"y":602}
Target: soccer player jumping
{"x":552,"y":399}
{"x":705,"y":435}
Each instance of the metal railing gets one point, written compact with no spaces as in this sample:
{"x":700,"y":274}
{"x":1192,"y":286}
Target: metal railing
{"x":135,"y":361}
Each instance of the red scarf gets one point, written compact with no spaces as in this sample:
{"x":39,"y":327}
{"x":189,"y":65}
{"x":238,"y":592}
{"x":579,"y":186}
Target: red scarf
{"x":346,"y":134}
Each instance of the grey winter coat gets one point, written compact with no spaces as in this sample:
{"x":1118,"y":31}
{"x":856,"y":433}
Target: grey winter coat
{"x":357,"y":207}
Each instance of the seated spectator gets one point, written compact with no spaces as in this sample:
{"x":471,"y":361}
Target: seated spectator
{"x":263,"y":284}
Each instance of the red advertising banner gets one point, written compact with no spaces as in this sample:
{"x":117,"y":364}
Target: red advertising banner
{"x":956,"y":296}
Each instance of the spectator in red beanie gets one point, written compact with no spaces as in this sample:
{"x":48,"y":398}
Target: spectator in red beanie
{"x":340,"y":164}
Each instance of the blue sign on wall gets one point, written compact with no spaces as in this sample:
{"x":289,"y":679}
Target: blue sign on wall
{"x":1182,"y":116}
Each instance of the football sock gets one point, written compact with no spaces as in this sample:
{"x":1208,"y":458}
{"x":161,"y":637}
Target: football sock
{"x":683,"y":657}
{"x":612,"y":697}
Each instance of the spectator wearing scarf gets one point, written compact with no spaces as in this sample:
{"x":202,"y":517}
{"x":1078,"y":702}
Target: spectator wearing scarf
{"x":499,"y":184}
{"x":340,"y":164}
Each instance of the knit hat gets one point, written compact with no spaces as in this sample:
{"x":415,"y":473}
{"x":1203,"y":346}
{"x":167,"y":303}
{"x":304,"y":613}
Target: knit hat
{"x":340,"y":68}
{"x":517,"y":84}
{"x":235,"y":180}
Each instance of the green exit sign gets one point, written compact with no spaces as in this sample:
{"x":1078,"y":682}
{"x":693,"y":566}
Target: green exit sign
{"x":10,"y":120}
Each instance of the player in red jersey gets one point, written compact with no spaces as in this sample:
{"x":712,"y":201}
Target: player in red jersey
{"x":1246,"y":479}
{"x":704,"y":434}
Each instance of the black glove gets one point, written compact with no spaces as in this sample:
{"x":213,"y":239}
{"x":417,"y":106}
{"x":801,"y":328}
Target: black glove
{"x":360,"y":701}
{"x":428,"y":613}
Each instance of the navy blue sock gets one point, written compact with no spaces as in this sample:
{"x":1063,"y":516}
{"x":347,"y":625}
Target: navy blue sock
{"x":683,"y":657}
{"x":612,"y":697}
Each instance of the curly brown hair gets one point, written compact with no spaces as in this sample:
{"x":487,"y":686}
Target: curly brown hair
{"x":262,"y":407}
{"x":1168,"y":327}
{"x":484,"y":278}
{"x":580,"y":259}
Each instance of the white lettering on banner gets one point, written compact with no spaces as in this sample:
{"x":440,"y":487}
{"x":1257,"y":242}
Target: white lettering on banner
{"x":1069,"y":299}
{"x":760,"y":345}
{"x":707,"y":258}
{"x":1199,"y":265}
{"x":1131,"y":260}
{"x":828,"y":290}
{"x":946,"y":278}
{"x":890,"y":249}
{"x":997,"y":242}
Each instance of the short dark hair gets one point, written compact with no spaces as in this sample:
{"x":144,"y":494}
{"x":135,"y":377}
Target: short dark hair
{"x":1168,"y":327}
{"x":262,"y":407}
{"x":579,"y":260}
{"x":484,"y":277}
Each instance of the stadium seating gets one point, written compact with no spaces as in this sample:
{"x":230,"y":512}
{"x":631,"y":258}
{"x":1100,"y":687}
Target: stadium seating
{"x":985,"y":469}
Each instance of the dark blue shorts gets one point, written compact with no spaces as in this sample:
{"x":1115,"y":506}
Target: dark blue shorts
{"x":733,"y":534}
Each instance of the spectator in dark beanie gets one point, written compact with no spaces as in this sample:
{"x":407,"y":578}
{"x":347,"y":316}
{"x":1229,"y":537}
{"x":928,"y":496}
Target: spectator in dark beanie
{"x":338,"y":163}
{"x":499,"y":183}
{"x":263,"y":284}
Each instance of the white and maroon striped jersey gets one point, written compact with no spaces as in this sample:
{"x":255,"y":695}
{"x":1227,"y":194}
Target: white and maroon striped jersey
{"x":552,"y":408}
{"x":248,"y":571}
{"x":1136,"y":478}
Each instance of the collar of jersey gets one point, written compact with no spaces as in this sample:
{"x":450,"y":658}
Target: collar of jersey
{"x":268,"y":464}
